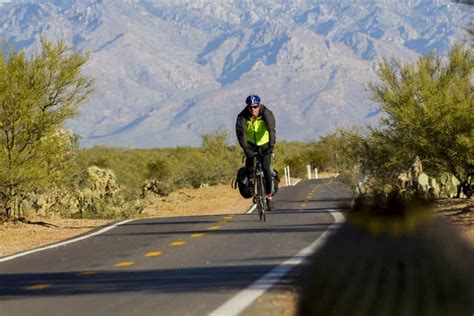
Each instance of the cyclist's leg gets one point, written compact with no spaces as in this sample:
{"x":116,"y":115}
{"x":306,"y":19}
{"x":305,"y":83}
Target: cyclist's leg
{"x":267,"y":172}
{"x":250,"y":162}
{"x":266,"y":162}
{"x":249,"y":165}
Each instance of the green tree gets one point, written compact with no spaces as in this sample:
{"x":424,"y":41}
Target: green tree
{"x":338,"y":151}
{"x":37,"y":94}
{"x":429,"y":112}
{"x":343,"y":148}
{"x":219,"y":161}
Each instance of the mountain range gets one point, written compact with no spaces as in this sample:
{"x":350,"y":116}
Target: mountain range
{"x":168,"y":71}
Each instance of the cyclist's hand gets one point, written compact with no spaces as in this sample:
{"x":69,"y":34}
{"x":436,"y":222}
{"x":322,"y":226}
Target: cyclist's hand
{"x":268,"y":150}
{"x":249,"y":152}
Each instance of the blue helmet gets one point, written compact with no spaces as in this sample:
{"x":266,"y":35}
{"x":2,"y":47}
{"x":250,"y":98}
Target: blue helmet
{"x":252,"y":99}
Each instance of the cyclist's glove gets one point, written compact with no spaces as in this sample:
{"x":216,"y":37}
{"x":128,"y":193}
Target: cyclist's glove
{"x":268,"y":150}
{"x":249,"y":152}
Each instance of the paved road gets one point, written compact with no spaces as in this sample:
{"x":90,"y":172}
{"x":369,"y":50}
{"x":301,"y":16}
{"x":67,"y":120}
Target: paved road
{"x":168,"y":266}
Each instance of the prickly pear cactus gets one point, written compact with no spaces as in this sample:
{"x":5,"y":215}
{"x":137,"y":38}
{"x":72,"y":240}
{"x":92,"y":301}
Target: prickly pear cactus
{"x":434,"y":185}
{"x":404,"y":180}
{"x":449,"y":185}
{"x":423,"y":180}
{"x":423,"y":183}
{"x":443,"y":179}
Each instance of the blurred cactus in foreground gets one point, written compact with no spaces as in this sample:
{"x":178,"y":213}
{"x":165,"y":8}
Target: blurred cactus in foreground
{"x":390,"y":258}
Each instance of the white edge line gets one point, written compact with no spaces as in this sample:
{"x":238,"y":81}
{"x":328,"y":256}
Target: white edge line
{"x":244,"y":298}
{"x":103,"y":230}
{"x":296,"y":182}
{"x":251,"y":209}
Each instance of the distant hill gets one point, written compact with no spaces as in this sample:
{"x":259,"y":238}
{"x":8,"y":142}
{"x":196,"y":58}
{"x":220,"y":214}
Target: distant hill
{"x":168,"y":71}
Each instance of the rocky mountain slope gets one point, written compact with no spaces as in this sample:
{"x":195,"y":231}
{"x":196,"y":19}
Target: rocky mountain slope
{"x":168,"y":71}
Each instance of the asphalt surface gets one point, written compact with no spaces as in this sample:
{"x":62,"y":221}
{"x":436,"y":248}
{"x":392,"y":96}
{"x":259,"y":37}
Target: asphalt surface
{"x":168,"y":266}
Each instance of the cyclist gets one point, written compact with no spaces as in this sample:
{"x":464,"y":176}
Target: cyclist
{"x":255,"y":129}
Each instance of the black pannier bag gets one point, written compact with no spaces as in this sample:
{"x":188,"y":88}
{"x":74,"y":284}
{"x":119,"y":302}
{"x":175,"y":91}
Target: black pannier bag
{"x":246,"y":187}
{"x":243,"y":183}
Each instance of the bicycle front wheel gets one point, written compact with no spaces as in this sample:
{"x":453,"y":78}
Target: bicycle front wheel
{"x":260,"y":199}
{"x":263,"y":202}
{"x":261,"y":209}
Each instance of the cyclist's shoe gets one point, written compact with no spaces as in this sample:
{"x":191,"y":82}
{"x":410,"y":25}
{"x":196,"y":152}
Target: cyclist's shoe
{"x":269,"y":204}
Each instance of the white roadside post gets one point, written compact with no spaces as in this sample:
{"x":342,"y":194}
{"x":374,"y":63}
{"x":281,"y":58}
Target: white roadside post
{"x":308,"y":168}
{"x":316,"y":173}
{"x":286,"y":176}
{"x":289,"y":177}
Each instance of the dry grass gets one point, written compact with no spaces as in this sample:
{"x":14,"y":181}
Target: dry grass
{"x":221,"y":199}
{"x":21,"y":236}
{"x":37,"y":231}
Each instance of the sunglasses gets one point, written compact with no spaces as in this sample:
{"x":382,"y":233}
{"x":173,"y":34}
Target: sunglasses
{"x":254,"y":106}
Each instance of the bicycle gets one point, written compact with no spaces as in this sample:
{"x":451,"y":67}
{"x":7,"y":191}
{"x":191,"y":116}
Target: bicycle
{"x":259,"y":196}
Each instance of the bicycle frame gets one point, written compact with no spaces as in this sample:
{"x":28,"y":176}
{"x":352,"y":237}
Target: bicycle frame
{"x":259,"y":196}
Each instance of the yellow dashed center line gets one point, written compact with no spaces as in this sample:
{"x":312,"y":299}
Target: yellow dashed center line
{"x":125,"y":264}
{"x":303,"y":205}
{"x":149,"y":254}
{"x":87,"y":273}
{"x":177,"y":243}
{"x":37,"y":287}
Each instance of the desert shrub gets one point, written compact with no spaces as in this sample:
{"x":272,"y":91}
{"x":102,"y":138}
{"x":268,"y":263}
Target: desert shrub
{"x":427,"y":112}
{"x":338,"y":152}
{"x":158,"y":169}
{"x":38,"y":93}
{"x":156,"y":187}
